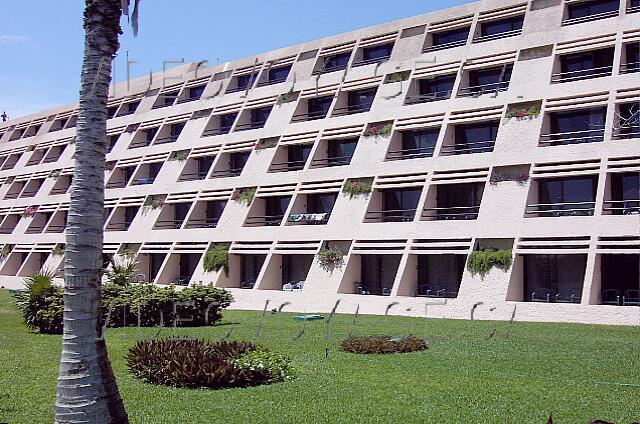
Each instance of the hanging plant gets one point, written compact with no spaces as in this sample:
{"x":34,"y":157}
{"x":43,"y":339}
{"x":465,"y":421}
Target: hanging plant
{"x":266,"y":143}
{"x":481,"y":261}
{"x":243,"y":195}
{"x":522,"y":114}
{"x":29,"y":211}
{"x":520,"y":178}
{"x":4,"y":252}
{"x":330,"y":258}
{"x":55,"y":173}
{"x":378,"y":130}
{"x":58,"y":250}
{"x":216,"y":258}
{"x":152,"y":203}
{"x":356,"y":187}
{"x":178,"y":156}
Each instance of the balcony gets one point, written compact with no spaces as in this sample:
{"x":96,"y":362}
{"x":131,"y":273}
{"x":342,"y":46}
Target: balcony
{"x":250,"y":267}
{"x":291,"y":158}
{"x":196,"y":168}
{"x":316,"y":108}
{"x":169,"y":133}
{"x":165,"y":100}
{"x":192,"y":94}
{"x":634,"y":6}
{"x":584,"y":65}
{"x":62,"y":185}
{"x":624,"y":194}
{"x":590,"y":10}
{"x":575,"y":127}
{"x":122,"y":218}
{"x":241,"y":83}
{"x":230,"y":164}
{"x":206,"y":214}
{"x":334,"y":153}
{"x":432,"y":89}
{"x":357,"y":101}
{"x":377,"y":274}
{"x":393,"y":205}
{"x":631,"y":62}
{"x":374,"y":54}
{"x":267,"y":211}
{"x":172,"y":216}
{"x":450,"y":202}
{"x":121,"y":177}
{"x":483,"y":81}
{"x":553,"y":278}
{"x":128,"y":108}
{"x":448,"y":39}
{"x":503,"y":28}
{"x":275,"y":76}
{"x":466,"y":139}
{"x":562,"y":197}
{"x":147,"y":173}
{"x":257,"y":118}
{"x":439,"y":276}
{"x":628,"y":121}
{"x":414,"y":144}
{"x":312,"y":209}
{"x":333,"y":63}
{"x":144,"y":138}
{"x":220,"y":124}
{"x":620,"y":279}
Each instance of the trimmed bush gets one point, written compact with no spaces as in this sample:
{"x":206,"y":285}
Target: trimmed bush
{"x":382,"y":344}
{"x":198,"y":363}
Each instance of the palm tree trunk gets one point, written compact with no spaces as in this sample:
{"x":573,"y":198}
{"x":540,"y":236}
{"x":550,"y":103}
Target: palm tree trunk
{"x":87,"y":391}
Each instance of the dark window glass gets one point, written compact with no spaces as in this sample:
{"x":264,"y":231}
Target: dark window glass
{"x":625,"y":193}
{"x":251,"y":266}
{"x":274,"y":208}
{"x":259,"y":116}
{"x":169,"y":98}
{"x":635,"y":3}
{"x":130,"y":214}
{"x":419,"y":143}
{"x":439,"y":87}
{"x":180,"y":211}
{"x":227,"y":120}
{"x":204,"y":164}
{"x":459,"y":201}
{"x":244,"y":81}
{"x":361,"y":100}
{"x":632,"y":52}
{"x":378,"y":273}
{"x":451,"y":36}
{"x":196,"y":92}
{"x":154,"y":169}
{"x":336,"y":62}
{"x":237,"y":160}
{"x":629,"y":120}
{"x":567,"y":196}
{"x":440,"y":275}
{"x":400,"y":204}
{"x":318,"y":107}
{"x":377,"y":52}
{"x":279,"y":74}
{"x":297,"y":155}
{"x":132,"y":107}
{"x":176,"y":129}
{"x":491,"y":77}
{"x":620,"y":273}
{"x":501,"y":26}
{"x":295,"y":268}
{"x":578,"y":126}
{"x":321,"y":203}
{"x":554,"y":277}
{"x":588,"y":8}
{"x":590,"y":60}
{"x":476,"y":137}
{"x":150,"y":133}
{"x":340,"y":152}
{"x":214,"y":210}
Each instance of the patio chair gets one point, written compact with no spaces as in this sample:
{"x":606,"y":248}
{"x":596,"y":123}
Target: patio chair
{"x":631,"y":298}
{"x":247,"y":284}
{"x":298,"y":286}
{"x":424,"y":290}
{"x":568,"y":295}
{"x":287,"y":287}
{"x":386,"y":291}
{"x":541,"y":295}
{"x":611,"y":297}
{"x":359,"y":288}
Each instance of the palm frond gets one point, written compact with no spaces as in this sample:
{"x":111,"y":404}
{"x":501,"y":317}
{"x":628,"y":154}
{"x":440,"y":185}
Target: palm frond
{"x":134,"y":15}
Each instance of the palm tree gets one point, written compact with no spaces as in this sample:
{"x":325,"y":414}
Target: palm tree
{"x":87,"y":391}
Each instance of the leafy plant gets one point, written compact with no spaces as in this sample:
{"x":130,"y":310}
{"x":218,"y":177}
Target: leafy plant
{"x":41,"y":303}
{"x":523,"y":113}
{"x":121,"y":272}
{"x":481,"y":261}
{"x":55,"y":173}
{"x":382,"y":344}
{"x":152,"y":203}
{"x":178,"y":156}
{"x":198,"y":363}
{"x":378,"y":130}
{"x":395,"y":77}
{"x":216,"y":258}
{"x":4,"y":252}
{"x":267,"y":143}
{"x":520,"y":178}
{"x":244,"y":195}
{"x":356,"y":187}
{"x":58,"y":250}
{"x":330,"y":258}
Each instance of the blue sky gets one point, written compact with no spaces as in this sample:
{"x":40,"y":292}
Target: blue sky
{"x":41,"y":41}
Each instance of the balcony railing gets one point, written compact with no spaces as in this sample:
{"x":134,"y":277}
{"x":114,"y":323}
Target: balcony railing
{"x":216,"y":131}
{"x":309,"y":218}
{"x":238,"y":89}
{"x":193,"y":176}
{"x":267,"y":220}
{"x":626,"y":132}
{"x":479,"y":90}
{"x":168,"y":224}
{"x":119,"y":226}
{"x":295,"y":165}
{"x":589,"y":18}
{"x":29,"y":193}
{"x":428,"y":290}
{"x":421,"y":152}
{"x":272,"y":81}
{"x":34,"y":162}
{"x":51,"y":159}
{"x":469,"y":148}
{"x":630,"y":67}
{"x":12,"y":195}
{"x":329,"y":162}
{"x":56,"y":228}
{"x":367,"y":288}
{"x":251,"y":125}
{"x":622,"y":207}
{"x":189,"y":99}
{"x":426,"y":98}
{"x":561,"y":209}
{"x":391,"y":215}
{"x":165,"y":140}
{"x":351,"y":110}
{"x":582,"y":74}
{"x":327,"y":70}
{"x":60,"y":190}
{"x":309,"y":116}
{"x":34,"y":229}
{"x":482,"y":39}
{"x":444,"y":46}
{"x":633,"y":9}
{"x":451,"y":213}
{"x":143,"y":181}
{"x":203,"y":223}
{"x":573,"y":137}
{"x":370,"y":61}
{"x":117,"y":184}
{"x":141,"y":143}
{"x":232,"y":172}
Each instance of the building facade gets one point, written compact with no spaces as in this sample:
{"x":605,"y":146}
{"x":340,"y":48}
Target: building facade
{"x":492,"y":128}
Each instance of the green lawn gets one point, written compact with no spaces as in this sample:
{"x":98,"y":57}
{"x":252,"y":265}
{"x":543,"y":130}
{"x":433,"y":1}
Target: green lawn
{"x":576,"y":371}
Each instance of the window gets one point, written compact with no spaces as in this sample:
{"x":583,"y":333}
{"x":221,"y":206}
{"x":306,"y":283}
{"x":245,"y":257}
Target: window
{"x":554,"y":278}
{"x":250,"y":269}
{"x":416,"y":144}
{"x":336,"y":62}
{"x":237,"y":161}
{"x":276,"y":75}
{"x":488,"y":80}
{"x":634,"y":6}
{"x":358,"y":101}
{"x":625,"y":194}
{"x":317,"y":108}
{"x":274,"y":209}
{"x":399,"y":205}
{"x":576,"y":126}
{"x":440,"y":275}
{"x":375,"y":54}
{"x":591,"y":10}
{"x":259,"y":116}
{"x":620,"y":279}
{"x":242,"y":82}
{"x":458,"y":201}
{"x":501,"y":28}
{"x":378,"y":273}
{"x":340,"y":152}
{"x":431,"y":89}
{"x":297,"y":156}
{"x":632,"y":58}
{"x":474,"y":138}
{"x":571,"y":196}
{"x":447,"y":39}
{"x":585,"y":65}
{"x":628,"y":125}
{"x":192,"y":94}
{"x":321,"y":203}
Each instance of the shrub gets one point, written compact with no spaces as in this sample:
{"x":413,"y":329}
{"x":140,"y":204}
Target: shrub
{"x":41,"y":303}
{"x":330,"y":258}
{"x":481,"y":261}
{"x":199,"y":363}
{"x":244,"y":195}
{"x":121,"y":272}
{"x":216,"y":258}
{"x":4,"y":252}
{"x":356,"y":187}
{"x":382,"y":344}
{"x":381,"y":130}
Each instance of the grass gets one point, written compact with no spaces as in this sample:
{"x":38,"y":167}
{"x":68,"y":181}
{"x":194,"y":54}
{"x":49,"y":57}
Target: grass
{"x":577,"y":371}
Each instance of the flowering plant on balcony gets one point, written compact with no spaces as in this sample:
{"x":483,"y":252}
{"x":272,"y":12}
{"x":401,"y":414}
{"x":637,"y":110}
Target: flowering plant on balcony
{"x":330,"y":258}
{"x":243,"y":195}
{"x":523,"y":113}
{"x":356,"y":187}
{"x":29,"y":211}
{"x":378,"y":130}
{"x":153,"y":203}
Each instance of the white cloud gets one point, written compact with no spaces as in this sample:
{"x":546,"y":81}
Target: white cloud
{"x":14,"y":39}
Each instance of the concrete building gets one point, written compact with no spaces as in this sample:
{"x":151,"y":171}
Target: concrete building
{"x":495,"y":124}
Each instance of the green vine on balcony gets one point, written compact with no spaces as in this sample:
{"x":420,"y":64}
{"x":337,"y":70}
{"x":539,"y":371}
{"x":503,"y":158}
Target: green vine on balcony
{"x":244,"y":195}
{"x":378,"y":130}
{"x":357,"y":187}
{"x":481,"y":261}
{"x":178,"y":156}
{"x":216,"y":258}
